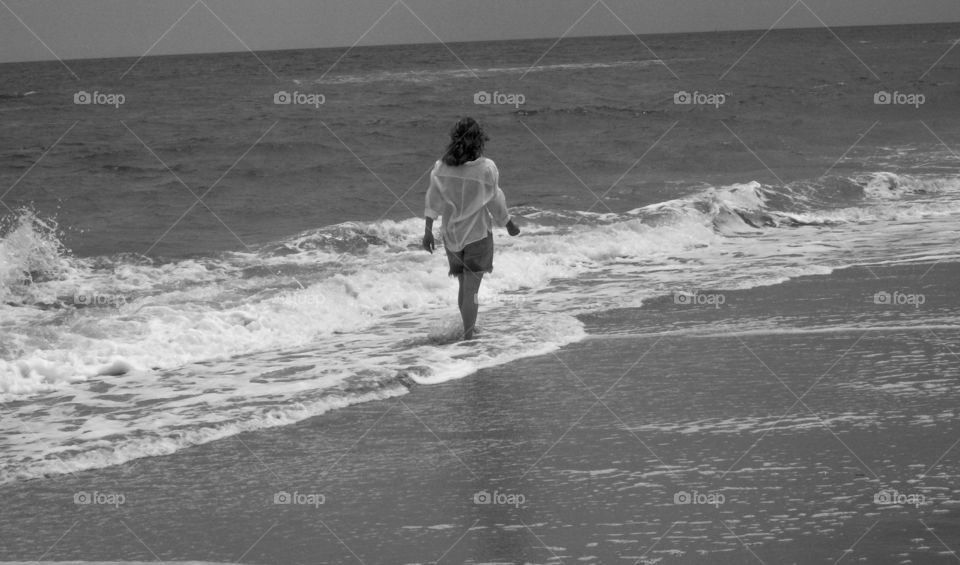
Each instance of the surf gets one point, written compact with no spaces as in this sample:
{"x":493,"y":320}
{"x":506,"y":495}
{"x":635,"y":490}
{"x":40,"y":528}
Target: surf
{"x":305,"y":324}
{"x":112,"y":314}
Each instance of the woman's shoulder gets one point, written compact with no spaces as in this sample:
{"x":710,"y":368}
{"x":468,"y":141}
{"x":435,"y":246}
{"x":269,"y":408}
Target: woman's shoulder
{"x":486,"y":163}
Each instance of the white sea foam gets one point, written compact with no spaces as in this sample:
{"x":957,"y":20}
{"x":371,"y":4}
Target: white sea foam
{"x":460,"y":73}
{"x":86,"y":448}
{"x":353,"y":312}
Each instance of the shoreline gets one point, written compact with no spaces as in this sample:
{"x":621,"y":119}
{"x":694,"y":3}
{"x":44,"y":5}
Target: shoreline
{"x":709,"y":322}
{"x":599,"y":439}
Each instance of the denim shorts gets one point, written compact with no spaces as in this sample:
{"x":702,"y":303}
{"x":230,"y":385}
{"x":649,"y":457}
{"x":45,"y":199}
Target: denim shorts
{"x":476,"y":257}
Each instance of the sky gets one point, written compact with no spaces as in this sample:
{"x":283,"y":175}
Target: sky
{"x":72,"y":29}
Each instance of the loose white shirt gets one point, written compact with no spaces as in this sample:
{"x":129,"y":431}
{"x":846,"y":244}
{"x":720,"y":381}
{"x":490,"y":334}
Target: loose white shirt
{"x":470,"y":200}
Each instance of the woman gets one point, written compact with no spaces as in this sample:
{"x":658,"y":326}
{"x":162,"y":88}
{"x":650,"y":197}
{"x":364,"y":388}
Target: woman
{"x":464,"y":189}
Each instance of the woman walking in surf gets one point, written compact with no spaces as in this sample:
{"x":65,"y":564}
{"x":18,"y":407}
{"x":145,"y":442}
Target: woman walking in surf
{"x":465,"y":190}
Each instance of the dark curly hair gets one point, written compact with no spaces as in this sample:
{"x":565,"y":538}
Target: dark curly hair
{"x":466,"y":142}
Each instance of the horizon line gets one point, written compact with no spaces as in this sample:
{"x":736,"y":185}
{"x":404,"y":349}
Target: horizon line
{"x":415,"y":43}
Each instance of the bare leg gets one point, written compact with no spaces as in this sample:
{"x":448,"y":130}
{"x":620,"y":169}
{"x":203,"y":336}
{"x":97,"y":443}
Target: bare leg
{"x":460,"y":294}
{"x":469,"y":287}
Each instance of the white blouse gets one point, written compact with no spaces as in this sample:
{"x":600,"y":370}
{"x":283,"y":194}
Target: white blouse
{"x":469,"y":199}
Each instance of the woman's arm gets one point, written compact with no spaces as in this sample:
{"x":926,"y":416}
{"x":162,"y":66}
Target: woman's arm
{"x":434,"y":202}
{"x":428,"y":242}
{"x":497,"y":206}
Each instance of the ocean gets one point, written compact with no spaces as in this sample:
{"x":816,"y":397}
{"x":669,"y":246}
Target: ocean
{"x":200,"y":261}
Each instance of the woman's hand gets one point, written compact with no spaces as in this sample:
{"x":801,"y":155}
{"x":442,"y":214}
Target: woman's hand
{"x":512,"y":228}
{"x":428,"y":242}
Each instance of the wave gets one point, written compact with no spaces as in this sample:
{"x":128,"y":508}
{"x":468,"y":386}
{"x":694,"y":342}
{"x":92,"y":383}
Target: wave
{"x":15,"y":95}
{"x":421,"y":76}
{"x":356,"y":311}
{"x":115,"y":419}
{"x":82,"y":457}
{"x":76,"y":318}
{"x":824,"y":202}
{"x":30,"y":252}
